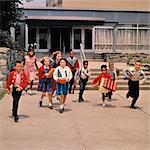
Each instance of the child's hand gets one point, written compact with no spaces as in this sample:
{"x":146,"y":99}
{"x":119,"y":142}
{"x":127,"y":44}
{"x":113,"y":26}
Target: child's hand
{"x":18,"y":89}
{"x":8,"y":91}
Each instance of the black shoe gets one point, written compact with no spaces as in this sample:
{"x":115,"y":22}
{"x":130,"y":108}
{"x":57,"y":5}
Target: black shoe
{"x":16,"y":118}
{"x":79,"y":100}
{"x":50,"y":107}
{"x":127,"y":95}
{"x":61,"y":110}
{"x":40,"y":103}
{"x":82,"y":99}
{"x":133,"y":107}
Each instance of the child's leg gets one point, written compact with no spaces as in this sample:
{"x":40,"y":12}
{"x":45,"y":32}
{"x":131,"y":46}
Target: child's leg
{"x":81,"y":90}
{"x":42,"y":96}
{"x":16,"y":97}
{"x":31,"y":85}
{"x":133,"y":102}
{"x":50,"y":100}
{"x":62,"y":101}
{"x":103,"y":98}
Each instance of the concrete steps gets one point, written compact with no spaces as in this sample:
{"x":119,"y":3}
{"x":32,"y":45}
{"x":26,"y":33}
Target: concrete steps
{"x":122,"y":84}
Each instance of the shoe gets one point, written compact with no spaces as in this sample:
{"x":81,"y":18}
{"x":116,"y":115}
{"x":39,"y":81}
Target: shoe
{"x":30,"y":92}
{"x":79,"y":100}
{"x":133,"y":107}
{"x":104,"y":105}
{"x":61,"y":110}
{"x":50,"y":107}
{"x":40,"y":103}
{"x":82,"y":99}
{"x":127,"y":95}
{"x":16,"y":118}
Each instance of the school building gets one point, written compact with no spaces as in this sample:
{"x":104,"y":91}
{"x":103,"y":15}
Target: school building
{"x":103,"y":26}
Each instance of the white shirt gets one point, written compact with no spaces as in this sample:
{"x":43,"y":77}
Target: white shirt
{"x":65,"y":73}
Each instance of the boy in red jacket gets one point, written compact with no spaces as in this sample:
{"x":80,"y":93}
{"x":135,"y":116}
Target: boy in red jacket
{"x":18,"y":80}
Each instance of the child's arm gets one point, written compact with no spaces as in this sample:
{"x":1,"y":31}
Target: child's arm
{"x":8,"y":83}
{"x":96,"y":81}
{"x":36,"y":64}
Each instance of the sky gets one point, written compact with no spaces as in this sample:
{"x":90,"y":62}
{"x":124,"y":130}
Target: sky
{"x":35,"y":3}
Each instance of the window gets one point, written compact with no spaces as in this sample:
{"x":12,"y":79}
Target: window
{"x":88,"y":39}
{"x":77,"y":38}
{"x":43,"y":38}
{"x":32,"y":35}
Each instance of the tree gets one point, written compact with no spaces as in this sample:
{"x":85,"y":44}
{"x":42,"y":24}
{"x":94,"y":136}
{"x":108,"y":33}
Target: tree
{"x":9,"y":13}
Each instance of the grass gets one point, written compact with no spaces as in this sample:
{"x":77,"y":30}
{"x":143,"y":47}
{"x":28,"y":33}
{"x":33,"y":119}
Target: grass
{"x":2,"y":93}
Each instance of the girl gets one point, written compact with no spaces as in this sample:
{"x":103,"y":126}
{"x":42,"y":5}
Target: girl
{"x":62,"y":75}
{"x":45,"y":81}
{"x":29,"y":62}
{"x":100,"y":80}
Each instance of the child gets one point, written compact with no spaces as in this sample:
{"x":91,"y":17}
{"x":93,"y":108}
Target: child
{"x":113,"y":74}
{"x":73,"y":64}
{"x":45,"y":81}
{"x":83,"y":74}
{"x":29,"y":62}
{"x":100,"y":80}
{"x":19,"y":82}
{"x":134,"y":75}
{"x":62,"y":75}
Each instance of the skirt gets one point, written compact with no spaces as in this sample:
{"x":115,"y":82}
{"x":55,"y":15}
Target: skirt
{"x":45,"y":85}
{"x":62,"y":89}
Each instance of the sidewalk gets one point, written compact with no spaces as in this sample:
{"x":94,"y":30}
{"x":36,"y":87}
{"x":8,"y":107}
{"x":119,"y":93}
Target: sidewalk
{"x":83,"y":126}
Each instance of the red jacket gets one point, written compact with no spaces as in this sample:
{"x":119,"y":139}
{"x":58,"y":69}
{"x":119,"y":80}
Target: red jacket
{"x":41,"y":72}
{"x":98,"y":79}
{"x":12,"y":77}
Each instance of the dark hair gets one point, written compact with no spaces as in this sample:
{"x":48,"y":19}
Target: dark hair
{"x":30,"y":50}
{"x":17,"y":62}
{"x":103,"y":66}
{"x":61,"y":60}
{"x":84,"y":62}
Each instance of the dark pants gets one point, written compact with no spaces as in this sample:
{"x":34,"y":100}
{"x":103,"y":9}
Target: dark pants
{"x":82,"y":84}
{"x":16,"y":96}
{"x":71,"y":83}
{"x":133,"y":91}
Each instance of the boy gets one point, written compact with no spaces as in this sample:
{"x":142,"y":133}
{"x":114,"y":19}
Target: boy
{"x":73,"y":64}
{"x":83,"y":74}
{"x":18,"y":80}
{"x":134,"y":75}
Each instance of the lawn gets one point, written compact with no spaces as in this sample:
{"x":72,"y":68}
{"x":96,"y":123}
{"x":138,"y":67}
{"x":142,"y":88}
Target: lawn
{"x":2,"y":93}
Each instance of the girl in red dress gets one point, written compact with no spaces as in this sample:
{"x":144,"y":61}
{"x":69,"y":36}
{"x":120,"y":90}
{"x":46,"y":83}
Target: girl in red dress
{"x":99,"y":81}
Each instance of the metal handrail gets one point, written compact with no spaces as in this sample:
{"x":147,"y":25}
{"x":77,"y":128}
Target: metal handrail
{"x":82,"y":53}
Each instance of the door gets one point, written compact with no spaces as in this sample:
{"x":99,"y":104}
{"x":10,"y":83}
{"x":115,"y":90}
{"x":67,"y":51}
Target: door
{"x":60,"y":39}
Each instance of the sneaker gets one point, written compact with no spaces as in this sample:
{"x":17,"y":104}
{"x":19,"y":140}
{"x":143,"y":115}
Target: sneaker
{"x":30,"y":92}
{"x":61,"y":110}
{"x":133,"y":107}
{"x":40,"y":103}
{"x":50,"y":107}
{"x":104,"y":105}
{"x":16,"y":118}
{"x":127,"y":95}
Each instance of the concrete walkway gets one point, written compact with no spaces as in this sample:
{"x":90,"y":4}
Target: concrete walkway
{"x":82,"y":126}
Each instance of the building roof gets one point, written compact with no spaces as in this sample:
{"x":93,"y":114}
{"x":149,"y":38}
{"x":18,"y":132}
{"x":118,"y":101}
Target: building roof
{"x":69,"y":18}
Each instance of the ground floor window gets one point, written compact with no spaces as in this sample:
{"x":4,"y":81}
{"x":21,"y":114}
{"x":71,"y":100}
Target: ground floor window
{"x":88,"y":39}
{"x":77,"y":38}
{"x":43,"y":38}
{"x":32,"y":36}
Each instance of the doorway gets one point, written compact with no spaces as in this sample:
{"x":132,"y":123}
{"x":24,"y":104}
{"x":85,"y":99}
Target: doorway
{"x":60,"y":39}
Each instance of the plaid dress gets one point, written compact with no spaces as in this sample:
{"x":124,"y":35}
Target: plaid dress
{"x":45,"y":84}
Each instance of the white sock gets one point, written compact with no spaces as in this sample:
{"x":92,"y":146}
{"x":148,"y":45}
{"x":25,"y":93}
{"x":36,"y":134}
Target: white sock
{"x":61,"y":106}
{"x":50,"y":104}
